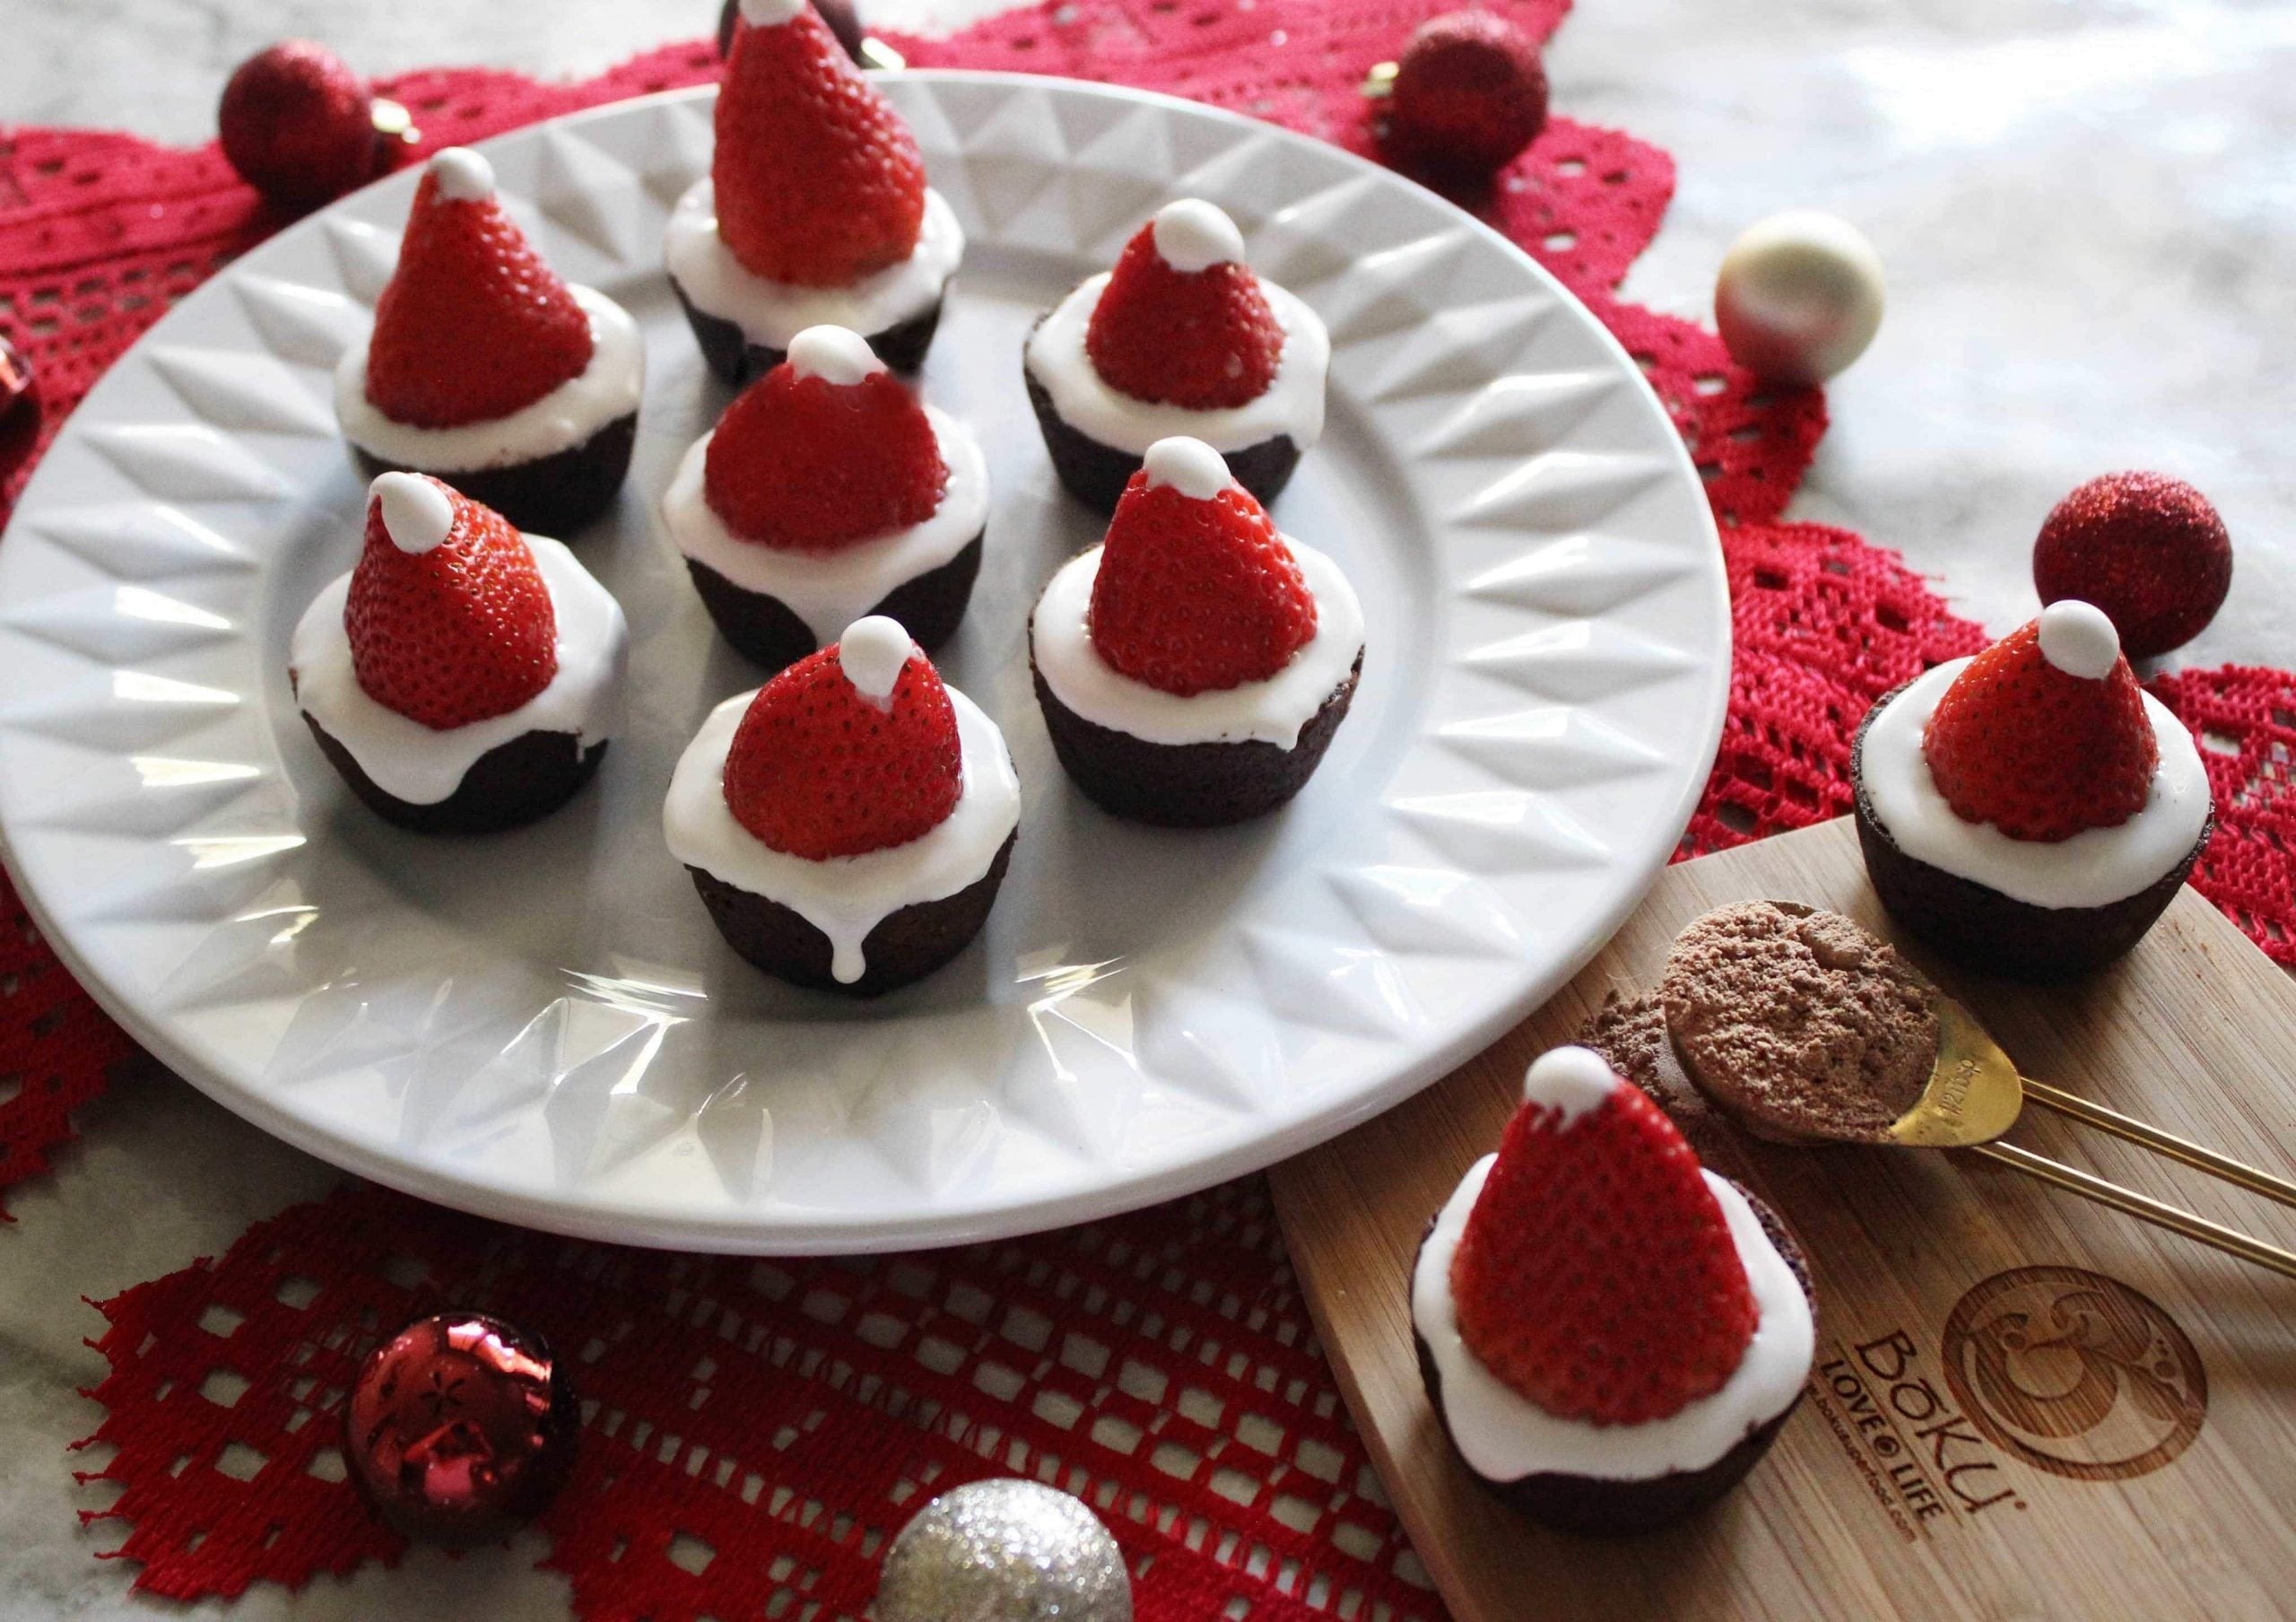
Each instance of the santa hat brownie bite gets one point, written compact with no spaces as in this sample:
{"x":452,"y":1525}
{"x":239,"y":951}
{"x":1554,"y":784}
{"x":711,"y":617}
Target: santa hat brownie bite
{"x":827,"y":493}
{"x":2030,"y":811}
{"x":462,"y":677}
{"x":1180,"y":338}
{"x":849,"y":823}
{"x":486,"y":370}
{"x":1612,"y":1335}
{"x":1194,"y":666}
{"x":815,"y":211}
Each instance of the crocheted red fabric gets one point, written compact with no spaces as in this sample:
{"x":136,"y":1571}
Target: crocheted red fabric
{"x":2244,"y":719}
{"x":1821,"y":624}
{"x":755,"y":1431}
{"x":55,"y":1046}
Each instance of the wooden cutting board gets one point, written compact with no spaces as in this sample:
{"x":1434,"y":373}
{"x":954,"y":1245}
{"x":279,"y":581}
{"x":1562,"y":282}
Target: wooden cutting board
{"x":2140,"y":1463}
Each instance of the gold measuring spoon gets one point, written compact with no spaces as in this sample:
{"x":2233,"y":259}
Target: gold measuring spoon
{"x":1975,"y":1094}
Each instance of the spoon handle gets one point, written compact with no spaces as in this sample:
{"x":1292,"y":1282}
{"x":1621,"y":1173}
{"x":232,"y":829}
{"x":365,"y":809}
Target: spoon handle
{"x":2236,"y":1172}
{"x":2143,"y":1206}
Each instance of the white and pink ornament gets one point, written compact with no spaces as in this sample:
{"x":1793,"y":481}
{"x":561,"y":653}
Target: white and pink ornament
{"x":1799,"y":296}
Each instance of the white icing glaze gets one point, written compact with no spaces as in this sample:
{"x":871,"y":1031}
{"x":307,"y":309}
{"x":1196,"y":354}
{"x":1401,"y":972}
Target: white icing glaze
{"x":1292,"y":404}
{"x":1272,"y":711}
{"x":418,"y":515}
{"x":873,"y":652}
{"x":846,"y":896}
{"x":609,"y":387}
{"x":1506,"y":1436}
{"x":1570,"y":1081}
{"x":835,"y":355}
{"x":770,"y":13}
{"x":773,"y":313}
{"x":2096,"y":865}
{"x":829,"y":590}
{"x":463,"y":175}
{"x":2079,"y":640}
{"x":423,"y":764}
{"x":1188,"y":466}
{"x":1192,"y":235}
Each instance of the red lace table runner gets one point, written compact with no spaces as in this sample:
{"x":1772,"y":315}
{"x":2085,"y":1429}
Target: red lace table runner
{"x":756,"y":1431}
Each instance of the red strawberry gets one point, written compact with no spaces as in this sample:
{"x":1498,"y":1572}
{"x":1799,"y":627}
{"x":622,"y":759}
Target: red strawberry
{"x":2147,"y":549}
{"x":1469,"y":94}
{"x":448,"y":618}
{"x":473,"y":325}
{"x":849,"y":750}
{"x":825,"y":449}
{"x":1596,"y":1275}
{"x":1182,"y":320}
{"x":2040,"y":750}
{"x":1195,"y":590}
{"x":819,"y":182}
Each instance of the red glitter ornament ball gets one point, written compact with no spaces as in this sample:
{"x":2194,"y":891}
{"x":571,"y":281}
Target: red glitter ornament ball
{"x":460,"y":1429}
{"x":1469,"y":94}
{"x":2147,"y":549}
{"x":299,"y":124}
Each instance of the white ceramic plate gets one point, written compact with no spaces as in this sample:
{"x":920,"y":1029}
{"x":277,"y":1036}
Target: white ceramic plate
{"x":543,"y":1025}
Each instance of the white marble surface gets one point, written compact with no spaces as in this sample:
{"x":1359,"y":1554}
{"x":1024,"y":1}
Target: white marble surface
{"x":2085,"y":207}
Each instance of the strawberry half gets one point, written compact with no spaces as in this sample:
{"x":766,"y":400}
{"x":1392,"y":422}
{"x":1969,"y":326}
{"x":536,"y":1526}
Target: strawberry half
{"x":2044,"y":734}
{"x":824,"y":450}
{"x":849,"y":750}
{"x":1182,"y":320}
{"x":448,"y":618}
{"x":473,"y":325}
{"x":1596,"y":1276}
{"x":1196,"y":592}
{"x":819,"y":182}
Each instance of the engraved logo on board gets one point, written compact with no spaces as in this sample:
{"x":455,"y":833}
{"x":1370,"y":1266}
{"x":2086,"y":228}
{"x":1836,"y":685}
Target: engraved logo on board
{"x":2074,"y":1373}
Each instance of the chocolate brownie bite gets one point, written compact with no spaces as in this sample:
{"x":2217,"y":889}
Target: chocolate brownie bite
{"x":526,"y":405}
{"x":827,"y":493}
{"x":463,"y":678}
{"x":1193,"y":669}
{"x":814,"y":211}
{"x":1611,"y":1335}
{"x":849,"y":823}
{"x":1181,"y":338}
{"x":2031,"y":812}
{"x":1798,"y":1024}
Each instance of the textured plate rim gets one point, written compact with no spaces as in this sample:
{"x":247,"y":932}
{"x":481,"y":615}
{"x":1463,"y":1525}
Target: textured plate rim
{"x":638,"y":1222}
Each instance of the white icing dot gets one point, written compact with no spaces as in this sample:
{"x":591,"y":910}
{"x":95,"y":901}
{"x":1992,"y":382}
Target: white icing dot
{"x":418,"y":514}
{"x":2079,"y":640}
{"x":1572,"y":1081}
{"x":834,"y":354}
{"x":770,"y":13}
{"x":1193,"y":235}
{"x":1188,"y":466}
{"x":873,"y":652}
{"x":463,"y":175}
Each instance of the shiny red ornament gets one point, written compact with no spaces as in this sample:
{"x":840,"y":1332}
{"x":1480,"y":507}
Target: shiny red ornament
{"x":460,"y":1429}
{"x":843,"y":20}
{"x":16,"y":380}
{"x":2147,"y":549}
{"x":18,"y":408}
{"x":299,"y":126}
{"x":1468,"y":95}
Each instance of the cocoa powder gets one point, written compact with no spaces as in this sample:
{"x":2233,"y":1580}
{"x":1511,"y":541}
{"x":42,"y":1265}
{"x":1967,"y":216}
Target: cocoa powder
{"x":1798,"y":1023}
